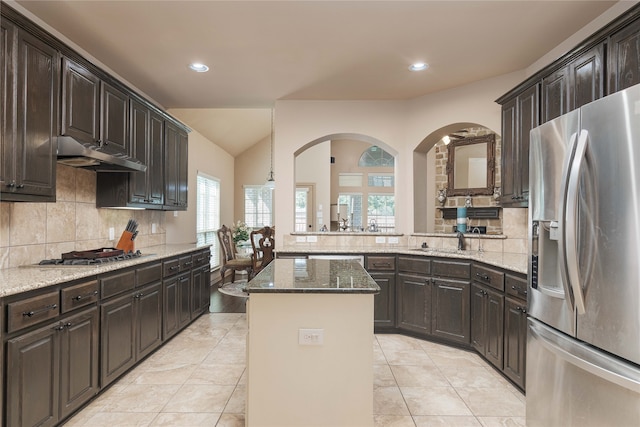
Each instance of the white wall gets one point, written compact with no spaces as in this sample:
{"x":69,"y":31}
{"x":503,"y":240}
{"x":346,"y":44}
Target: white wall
{"x":206,"y":157}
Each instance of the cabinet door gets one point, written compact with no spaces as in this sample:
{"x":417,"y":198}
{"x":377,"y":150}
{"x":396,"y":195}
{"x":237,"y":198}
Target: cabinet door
{"x":79,"y":360}
{"x":175,"y":168}
{"x":148,"y":319}
{"x":587,"y":77}
{"x":38,"y":73}
{"x":80,"y":103}
{"x":515,"y":340}
{"x":139,"y":128}
{"x":183,"y":169}
{"x":623,"y":58}
{"x":155,"y":160}
{"x":509,"y":151}
{"x":384,"y":302}
{"x":171,"y":304}
{"x":184,"y":295}
{"x":450,"y":310}
{"x":33,"y":369}
{"x":555,"y":94}
{"x":528,"y":118}
{"x":117,"y":343}
{"x":494,"y":328}
{"x":7,"y":124}
{"x":478,"y":318}
{"x":115,"y":120}
{"x":200,"y":278}
{"x":414,"y":303}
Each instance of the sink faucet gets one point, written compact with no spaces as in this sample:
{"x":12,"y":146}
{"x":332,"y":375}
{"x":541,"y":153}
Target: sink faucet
{"x":460,"y":237}
{"x":473,"y":231}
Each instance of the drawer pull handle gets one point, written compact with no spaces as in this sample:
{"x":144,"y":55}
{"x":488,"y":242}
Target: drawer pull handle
{"x":382,"y":264}
{"x":42,"y":310}
{"x":521,"y":309}
{"x":518,"y":290}
{"x":173,"y":267}
{"x":89,"y":295}
{"x":188,"y":263}
{"x":483,"y":277}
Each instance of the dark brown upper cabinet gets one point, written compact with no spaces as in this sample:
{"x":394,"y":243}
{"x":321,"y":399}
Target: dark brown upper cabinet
{"x":94,"y":111}
{"x":623,"y":57}
{"x":176,"y":168}
{"x":30,"y":87}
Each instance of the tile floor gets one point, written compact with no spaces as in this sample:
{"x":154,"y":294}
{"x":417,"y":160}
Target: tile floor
{"x":197,"y":379}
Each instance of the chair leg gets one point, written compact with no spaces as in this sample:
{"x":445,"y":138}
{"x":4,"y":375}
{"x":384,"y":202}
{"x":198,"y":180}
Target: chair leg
{"x":233,"y":276}
{"x":222,"y":270}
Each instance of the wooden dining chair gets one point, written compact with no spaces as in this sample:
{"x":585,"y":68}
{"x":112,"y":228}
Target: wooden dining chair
{"x":263,"y":243}
{"x":230,"y":260}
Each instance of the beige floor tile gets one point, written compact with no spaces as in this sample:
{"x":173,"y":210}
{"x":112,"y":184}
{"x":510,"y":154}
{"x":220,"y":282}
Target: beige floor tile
{"x":382,"y":376}
{"x":180,"y":419}
{"x":502,"y":421}
{"x":389,"y":401}
{"x":393,"y":421}
{"x":418,"y":376}
{"x":216,"y":374}
{"x":408,"y":357}
{"x":395,"y":342}
{"x":236,"y":404}
{"x":140,"y":398}
{"x":495,"y":402}
{"x":199,"y":398}
{"x":434,"y":401}
{"x":231,"y":420}
{"x":120,"y":419}
{"x":446,"y":421}
{"x":165,"y":374}
{"x":471,"y":376}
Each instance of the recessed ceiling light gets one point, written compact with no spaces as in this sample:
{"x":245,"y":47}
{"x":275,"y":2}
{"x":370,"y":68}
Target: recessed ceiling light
{"x":418,"y":66}
{"x":198,"y":67}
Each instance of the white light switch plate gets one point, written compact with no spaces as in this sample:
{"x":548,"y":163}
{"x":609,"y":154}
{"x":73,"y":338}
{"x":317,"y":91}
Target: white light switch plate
{"x":310,"y":336}
{"x":312,"y":239}
{"x":301,"y":239}
{"x":392,"y":240}
{"x":379,"y":239}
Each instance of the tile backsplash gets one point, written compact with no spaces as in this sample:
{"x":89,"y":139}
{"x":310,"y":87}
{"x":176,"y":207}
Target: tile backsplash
{"x":30,"y":232}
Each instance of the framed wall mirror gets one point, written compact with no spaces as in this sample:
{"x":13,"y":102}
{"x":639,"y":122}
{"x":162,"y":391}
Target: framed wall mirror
{"x":471,"y":166}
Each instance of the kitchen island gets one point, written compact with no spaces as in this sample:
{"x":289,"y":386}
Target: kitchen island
{"x":310,"y":344}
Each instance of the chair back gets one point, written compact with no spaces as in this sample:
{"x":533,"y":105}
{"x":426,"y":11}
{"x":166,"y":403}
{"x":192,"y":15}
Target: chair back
{"x":225,"y":236}
{"x":263,"y":243}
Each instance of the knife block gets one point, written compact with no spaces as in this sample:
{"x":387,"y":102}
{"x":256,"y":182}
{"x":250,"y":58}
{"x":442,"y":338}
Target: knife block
{"x":126,"y":243}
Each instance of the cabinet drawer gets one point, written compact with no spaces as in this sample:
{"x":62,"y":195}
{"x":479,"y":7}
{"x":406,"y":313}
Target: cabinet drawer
{"x":420,"y":265}
{"x":170,"y":267}
{"x":488,"y":276}
{"x":457,"y":270}
{"x":149,"y":274}
{"x":30,"y":311}
{"x":117,"y":283}
{"x":381,"y":263}
{"x":201,"y":258}
{"x":516,"y":286}
{"x":79,"y":295}
{"x":185,"y":263}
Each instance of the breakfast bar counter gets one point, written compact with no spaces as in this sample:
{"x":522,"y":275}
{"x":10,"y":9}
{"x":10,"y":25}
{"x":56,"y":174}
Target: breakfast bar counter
{"x":310,"y":344}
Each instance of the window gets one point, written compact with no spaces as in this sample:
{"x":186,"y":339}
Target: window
{"x":354,"y":208}
{"x":375,"y":157}
{"x":381,"y":208}
{"x":350,"y":179}
{"x":380,"y":180}
{"x":258,"y":202}
{"x":208,"y":214}
{"x":302,"y":209}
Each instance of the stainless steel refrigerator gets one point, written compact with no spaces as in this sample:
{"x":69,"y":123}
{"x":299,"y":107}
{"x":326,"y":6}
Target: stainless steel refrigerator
{"x":583,"y":337}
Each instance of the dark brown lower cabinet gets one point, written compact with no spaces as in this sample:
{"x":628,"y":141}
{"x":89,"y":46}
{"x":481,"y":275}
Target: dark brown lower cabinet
{"x":52,"y":370}
{"x":450,"y":310}
{"x":487,"y":308}
{"x":515,"y":343}
{"x":131,"y":329}
{"x":200,"y":288}
{"x":414,"y":303}
{"x":184,"y":299}
{"x":384,"y":302}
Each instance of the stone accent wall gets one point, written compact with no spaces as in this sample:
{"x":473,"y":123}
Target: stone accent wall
{"x":494,"y":226}
{"x":31,"y":232}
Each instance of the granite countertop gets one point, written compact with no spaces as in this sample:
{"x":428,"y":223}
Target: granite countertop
{"x":510,"y":261}
{"x":30,"y":277}
{"x":318,"y":276}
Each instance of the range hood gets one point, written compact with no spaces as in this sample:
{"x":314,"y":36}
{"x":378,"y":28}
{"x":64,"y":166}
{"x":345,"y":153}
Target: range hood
{"x":72,"y":152}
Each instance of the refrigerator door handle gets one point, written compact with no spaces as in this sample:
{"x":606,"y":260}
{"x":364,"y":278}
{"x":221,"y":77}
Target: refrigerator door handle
{"x":588,"y":360}
{"x":569,"y":230}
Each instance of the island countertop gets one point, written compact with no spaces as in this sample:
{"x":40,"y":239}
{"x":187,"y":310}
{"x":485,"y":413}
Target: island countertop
{"x":313,"y":276}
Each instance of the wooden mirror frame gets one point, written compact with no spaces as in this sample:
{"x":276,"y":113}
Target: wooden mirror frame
{"x":490,"y":140}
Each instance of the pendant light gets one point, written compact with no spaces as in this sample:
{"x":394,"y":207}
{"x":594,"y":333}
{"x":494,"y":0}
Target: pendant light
{"x":271,"y":182}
